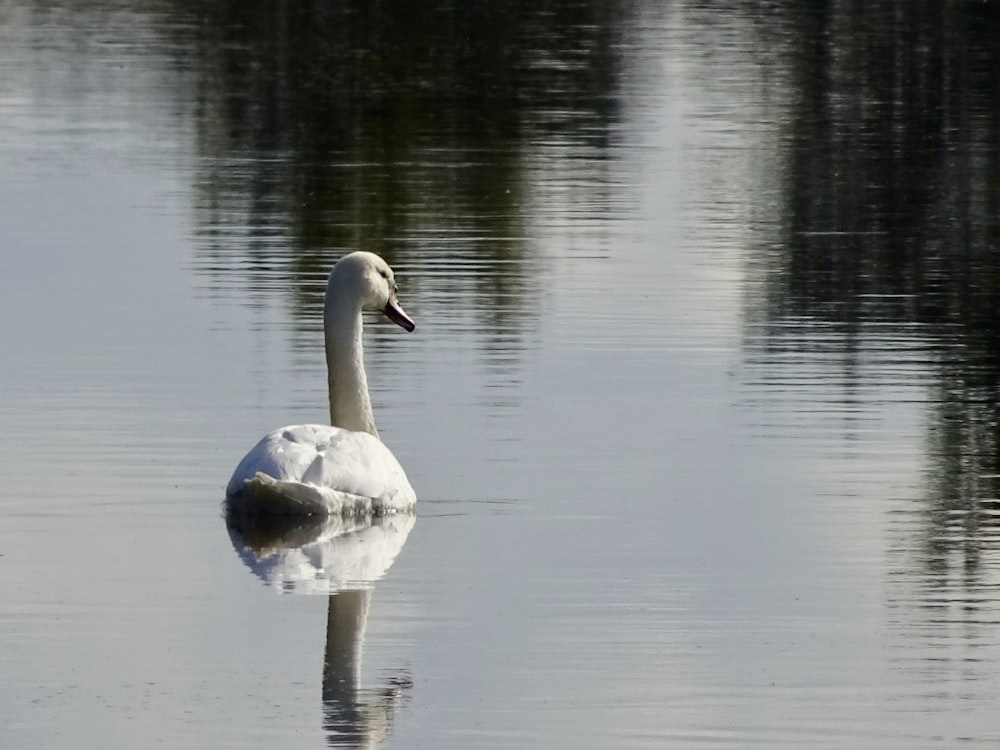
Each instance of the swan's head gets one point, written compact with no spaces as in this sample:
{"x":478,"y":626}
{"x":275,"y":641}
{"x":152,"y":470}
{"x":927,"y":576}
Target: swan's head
{"x":372,"y":280}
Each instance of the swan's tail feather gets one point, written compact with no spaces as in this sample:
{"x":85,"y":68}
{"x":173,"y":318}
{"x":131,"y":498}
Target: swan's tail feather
{"x":265,"y":495}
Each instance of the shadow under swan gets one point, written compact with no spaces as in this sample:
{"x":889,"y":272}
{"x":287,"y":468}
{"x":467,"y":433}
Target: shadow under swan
{"x":342,"y":557}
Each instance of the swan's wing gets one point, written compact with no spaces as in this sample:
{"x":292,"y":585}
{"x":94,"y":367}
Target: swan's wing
{"x":344,"y":461}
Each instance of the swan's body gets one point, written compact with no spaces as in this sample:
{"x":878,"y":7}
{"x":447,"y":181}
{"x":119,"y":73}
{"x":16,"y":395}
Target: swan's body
{"x":316,"y":468}
{"x":343,"y":467}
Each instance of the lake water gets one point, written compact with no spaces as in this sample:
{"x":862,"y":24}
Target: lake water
{"x":701,"y":408}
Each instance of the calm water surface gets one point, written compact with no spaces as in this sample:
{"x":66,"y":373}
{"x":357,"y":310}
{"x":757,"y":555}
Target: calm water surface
{"x":701,"y":407}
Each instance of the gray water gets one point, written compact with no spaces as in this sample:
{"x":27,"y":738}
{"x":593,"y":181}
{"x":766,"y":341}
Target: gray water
{"x":701,"y":407}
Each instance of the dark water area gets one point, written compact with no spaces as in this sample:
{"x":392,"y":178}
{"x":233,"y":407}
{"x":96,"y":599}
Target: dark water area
{"x":888,"y":252}
{"x":701,"y":408}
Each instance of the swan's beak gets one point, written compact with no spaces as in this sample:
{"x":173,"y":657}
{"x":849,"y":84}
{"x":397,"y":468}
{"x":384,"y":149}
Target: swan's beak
{"x":395,"y":313}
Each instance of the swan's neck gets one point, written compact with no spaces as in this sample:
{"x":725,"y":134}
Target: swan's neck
{"x":350,"y":404}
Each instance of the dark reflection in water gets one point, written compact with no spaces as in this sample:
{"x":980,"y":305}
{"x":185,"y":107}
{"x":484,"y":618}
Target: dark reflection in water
{"x":395,"y":126}
{"x":888,"y":252}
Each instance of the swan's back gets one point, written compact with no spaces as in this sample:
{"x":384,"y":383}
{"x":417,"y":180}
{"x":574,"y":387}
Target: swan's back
{"x":316,"y":468}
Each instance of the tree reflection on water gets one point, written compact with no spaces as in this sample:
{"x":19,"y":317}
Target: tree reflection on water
{"x":891,"y":213}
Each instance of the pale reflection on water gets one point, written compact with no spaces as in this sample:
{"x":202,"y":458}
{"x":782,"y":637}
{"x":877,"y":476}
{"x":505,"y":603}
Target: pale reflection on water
{"x":343,"y":559}
{"x":701,"y":408}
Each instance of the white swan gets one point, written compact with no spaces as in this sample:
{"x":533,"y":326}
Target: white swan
{"x":340,"y":468}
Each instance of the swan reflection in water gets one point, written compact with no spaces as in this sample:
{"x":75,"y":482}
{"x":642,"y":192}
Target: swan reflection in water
{"x":341,"y":557}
